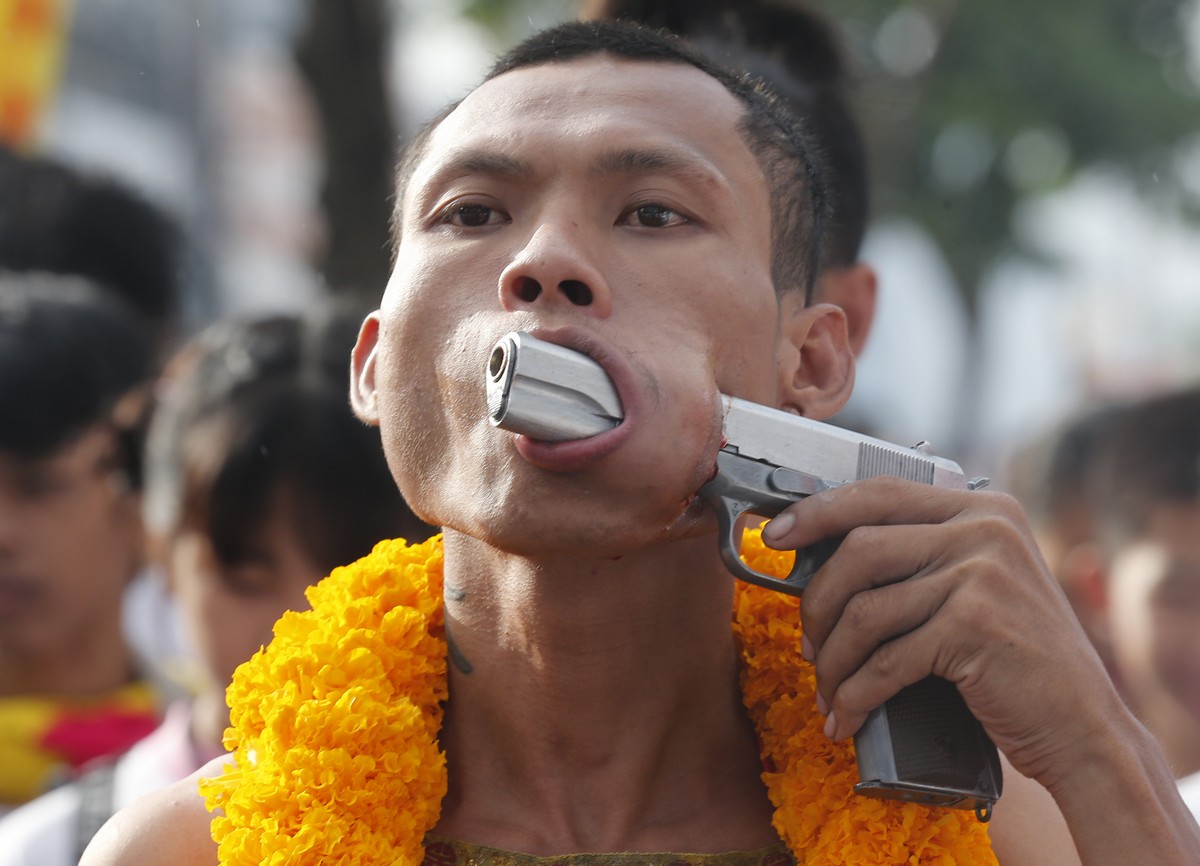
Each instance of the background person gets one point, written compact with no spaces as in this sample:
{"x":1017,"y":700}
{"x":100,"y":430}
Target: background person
{"x":60,"y":219}
{"x":1053,"y":476}
{"x":75,"y":364}
{"x":259,"y":481}
{"x":1145,"y":491}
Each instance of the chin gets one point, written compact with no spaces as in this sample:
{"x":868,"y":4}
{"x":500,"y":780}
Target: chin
{"x":585,"y":530}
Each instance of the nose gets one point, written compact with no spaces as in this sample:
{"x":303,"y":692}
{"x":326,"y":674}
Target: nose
{"x":554,"y":267}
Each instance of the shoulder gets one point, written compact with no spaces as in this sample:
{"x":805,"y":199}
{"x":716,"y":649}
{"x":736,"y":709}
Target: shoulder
{"x":169,"y":826}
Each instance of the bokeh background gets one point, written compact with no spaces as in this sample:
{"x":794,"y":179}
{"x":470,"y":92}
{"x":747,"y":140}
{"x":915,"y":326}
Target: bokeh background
{"x":1036,"y":172}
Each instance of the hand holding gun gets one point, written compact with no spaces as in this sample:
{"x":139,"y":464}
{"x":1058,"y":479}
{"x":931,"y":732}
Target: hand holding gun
{"x":922,"y":745}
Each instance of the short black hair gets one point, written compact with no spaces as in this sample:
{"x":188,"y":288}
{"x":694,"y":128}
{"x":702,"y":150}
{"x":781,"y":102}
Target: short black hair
{"x":1150,"y":457}
{"x":260,"y":415}
{"x":800,"y":54}
{"x":69,"y":352}
{"x":59,"y":219}
{"x":786,"y":154}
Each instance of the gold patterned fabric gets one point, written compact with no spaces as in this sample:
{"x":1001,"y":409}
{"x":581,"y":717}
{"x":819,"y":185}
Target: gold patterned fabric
{"x":446,"y":852}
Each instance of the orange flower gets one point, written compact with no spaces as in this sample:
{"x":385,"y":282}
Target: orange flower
{"x":334,"y":730}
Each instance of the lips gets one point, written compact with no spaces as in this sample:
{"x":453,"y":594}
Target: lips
{"x":576,"y":454}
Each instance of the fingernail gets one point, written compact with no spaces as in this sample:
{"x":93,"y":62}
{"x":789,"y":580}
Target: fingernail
{"x":830,"y":725}
{"x":779,"y":527}
{"x":806,"y":649}
{"x":822,"y":707}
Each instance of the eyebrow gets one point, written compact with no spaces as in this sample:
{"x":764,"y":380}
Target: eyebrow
{"x":478,"y":161}
{"x":626,"y":161}
{"x":646,"y":161}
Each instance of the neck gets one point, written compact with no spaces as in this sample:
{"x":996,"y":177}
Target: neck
{"x":83,"y":664}
{"x":602,"y":697}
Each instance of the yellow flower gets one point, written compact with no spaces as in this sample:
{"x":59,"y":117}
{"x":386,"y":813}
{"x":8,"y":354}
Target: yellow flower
{"x":334,"y":730}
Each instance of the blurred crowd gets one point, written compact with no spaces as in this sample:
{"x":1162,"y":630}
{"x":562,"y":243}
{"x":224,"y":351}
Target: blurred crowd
{"x":165,"y":495}
{"x":163,"y":500}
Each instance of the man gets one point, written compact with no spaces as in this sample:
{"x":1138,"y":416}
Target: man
{"x":610,"y":192}
{"x":74,"y":367}
{"x":1052,"y":476}
{"x":1146,"y":501}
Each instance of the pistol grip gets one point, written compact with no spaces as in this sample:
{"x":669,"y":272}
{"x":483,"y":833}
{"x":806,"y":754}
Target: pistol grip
{"x":924,"y":746}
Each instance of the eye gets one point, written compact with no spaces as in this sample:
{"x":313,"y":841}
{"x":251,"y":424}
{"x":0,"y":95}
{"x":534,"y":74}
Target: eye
{"x":653,"y":216}
{"x":471,"y":215}
{"x":38,"y":484}
{"x":249,"y":579}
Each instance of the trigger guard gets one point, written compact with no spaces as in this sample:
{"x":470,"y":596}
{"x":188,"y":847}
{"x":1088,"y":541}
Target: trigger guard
{"x":807,"y":560}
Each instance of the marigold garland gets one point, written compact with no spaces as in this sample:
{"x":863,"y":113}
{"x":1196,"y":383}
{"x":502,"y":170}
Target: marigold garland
{"x":335,"y":725}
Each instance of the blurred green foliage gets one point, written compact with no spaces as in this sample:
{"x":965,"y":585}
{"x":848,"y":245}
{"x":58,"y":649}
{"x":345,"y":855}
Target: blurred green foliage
{"x":1104,"y":82}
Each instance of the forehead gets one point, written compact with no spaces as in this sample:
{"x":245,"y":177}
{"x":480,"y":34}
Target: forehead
{"x":557,"y":111}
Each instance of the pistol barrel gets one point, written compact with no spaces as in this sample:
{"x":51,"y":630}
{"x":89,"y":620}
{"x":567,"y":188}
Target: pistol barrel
{"x":548,"y":392}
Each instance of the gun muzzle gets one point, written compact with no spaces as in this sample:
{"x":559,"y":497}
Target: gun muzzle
{"x":548,"y":392}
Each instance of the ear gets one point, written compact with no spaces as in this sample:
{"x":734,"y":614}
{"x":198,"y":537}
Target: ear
{"x":854,"y":289}
{"x":816,"y":365}
{"x":1085,"y":580}
{"x":362,"y":371}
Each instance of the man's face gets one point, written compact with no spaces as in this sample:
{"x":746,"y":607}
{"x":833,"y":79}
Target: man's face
{"x":610,"y":206}
{"x":1155,"y":610}
{"x":70,"y":541}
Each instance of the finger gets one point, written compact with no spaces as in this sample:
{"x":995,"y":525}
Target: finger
{"x":875,"y":501}
{"x":969,"y":630}
{"x":868,"y":557}
{"x":871,"y":619}
{"x":893,"y":666}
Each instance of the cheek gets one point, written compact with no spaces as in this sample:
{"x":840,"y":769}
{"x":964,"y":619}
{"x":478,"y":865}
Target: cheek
{"x":231,"y":630}
{"x":746,"y":344}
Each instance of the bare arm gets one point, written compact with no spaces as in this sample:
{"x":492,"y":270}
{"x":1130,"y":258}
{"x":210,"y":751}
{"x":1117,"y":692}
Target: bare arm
{"x":1028,"y":828}
{"x":166,"y":828}
{"x":934,"y":581}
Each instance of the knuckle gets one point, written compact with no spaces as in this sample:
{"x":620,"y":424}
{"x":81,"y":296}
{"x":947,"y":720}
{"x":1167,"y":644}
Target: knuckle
{"x":859,"y":540}
{"x":1006,"y":502}
{"x":860,"y":612}
{"x":975,"y":607}
{"x":814,"y":614}
{"x":1001,"y":504}
{"x":998,"y":528}
{"x":887,"y":661}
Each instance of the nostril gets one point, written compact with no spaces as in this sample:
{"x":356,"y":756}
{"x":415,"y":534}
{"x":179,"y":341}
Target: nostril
{"x":527,"y":289}
{"x":577,"y":292}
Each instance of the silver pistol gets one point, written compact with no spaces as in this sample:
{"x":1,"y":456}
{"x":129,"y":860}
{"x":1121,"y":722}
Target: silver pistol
{"x":923,"y":745}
